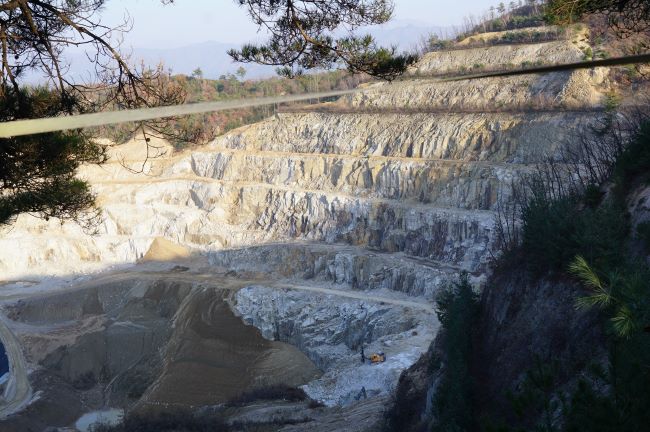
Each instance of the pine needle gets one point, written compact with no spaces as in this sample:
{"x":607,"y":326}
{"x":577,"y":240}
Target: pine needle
{"x":601,"y":295}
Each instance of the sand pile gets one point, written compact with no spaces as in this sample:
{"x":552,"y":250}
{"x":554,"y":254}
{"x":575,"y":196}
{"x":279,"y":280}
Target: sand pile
{"x":162,"y":249}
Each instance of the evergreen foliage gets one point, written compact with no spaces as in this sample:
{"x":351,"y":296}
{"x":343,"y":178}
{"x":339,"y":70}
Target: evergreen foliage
{"x":633,"y":165}
{"x":516,"y":18}
{"x":37,"y":172}
{"x":627,"y":15}
{"x":616,"y":282}
{"x":643,"y":233}
{"x":302,"y":37}
{"x":536,"y":395}
{"x":456,"y":307}
{"x":555,"y":230}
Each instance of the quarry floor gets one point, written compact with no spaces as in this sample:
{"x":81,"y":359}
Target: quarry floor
{"x":48,"y":327}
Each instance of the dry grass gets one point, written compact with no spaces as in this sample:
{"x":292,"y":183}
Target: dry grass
{"x":536,"y":104}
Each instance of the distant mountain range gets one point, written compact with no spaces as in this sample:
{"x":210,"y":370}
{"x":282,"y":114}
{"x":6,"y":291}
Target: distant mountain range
{"x":212,"y":57}
{"x":406,"y":34}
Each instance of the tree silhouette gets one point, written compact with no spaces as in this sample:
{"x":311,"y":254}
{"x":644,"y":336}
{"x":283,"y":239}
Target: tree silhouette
{"x":302,"y":37}
{"x":197,"y":73}
{"x":241,"y":72}
{"x":625,"y":16}
{"x":37,"y":172}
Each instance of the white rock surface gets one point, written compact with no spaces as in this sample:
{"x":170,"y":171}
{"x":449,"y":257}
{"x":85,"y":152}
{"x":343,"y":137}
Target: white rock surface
{"x":331,"y":332}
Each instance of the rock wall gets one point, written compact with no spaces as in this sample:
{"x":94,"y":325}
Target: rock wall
{"x":424,"y":184}
{"x":332,"y":334}
{"x":500,"y":56}
{"x":343,"y":266}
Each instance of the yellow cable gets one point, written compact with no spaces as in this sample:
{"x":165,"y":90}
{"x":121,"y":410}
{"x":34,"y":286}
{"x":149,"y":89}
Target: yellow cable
{"x":51,"y":124}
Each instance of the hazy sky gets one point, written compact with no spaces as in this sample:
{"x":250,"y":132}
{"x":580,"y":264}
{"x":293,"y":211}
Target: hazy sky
{"x":194,"y":21}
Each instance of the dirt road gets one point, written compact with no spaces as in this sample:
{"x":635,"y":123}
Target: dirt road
{"x":360,"y":295}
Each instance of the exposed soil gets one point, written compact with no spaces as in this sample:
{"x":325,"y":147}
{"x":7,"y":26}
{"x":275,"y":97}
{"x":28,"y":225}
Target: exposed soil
{"x":212,"y":357}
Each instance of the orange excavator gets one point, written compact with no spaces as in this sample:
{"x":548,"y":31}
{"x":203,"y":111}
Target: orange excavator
{"x":375,"y":358}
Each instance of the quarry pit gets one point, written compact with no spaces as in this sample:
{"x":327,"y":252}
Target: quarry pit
{"x":279,"y":252}
{"x":192,"y":333}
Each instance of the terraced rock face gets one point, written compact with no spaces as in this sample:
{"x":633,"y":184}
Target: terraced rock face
{"x":420,"y":183}
{"x":500,"y":56}
{"x":339,"y":227}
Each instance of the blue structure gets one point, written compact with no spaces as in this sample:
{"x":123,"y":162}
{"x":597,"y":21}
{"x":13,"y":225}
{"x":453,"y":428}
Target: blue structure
{"x":4,"y":361}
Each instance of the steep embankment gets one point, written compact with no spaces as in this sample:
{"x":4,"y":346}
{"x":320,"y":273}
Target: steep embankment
{"x":332,"y":232}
